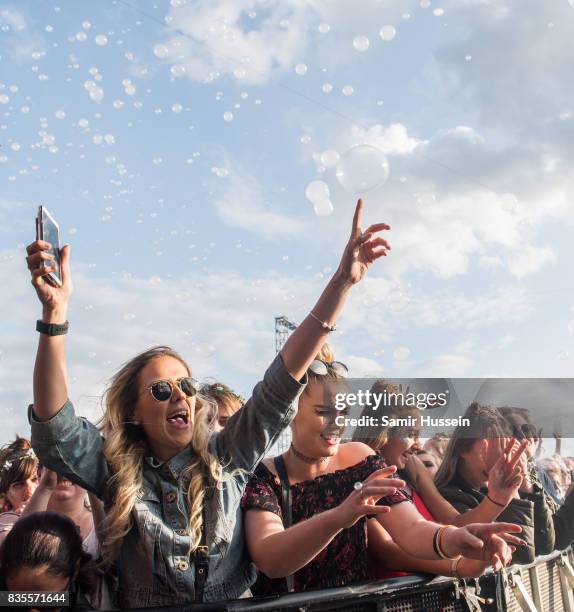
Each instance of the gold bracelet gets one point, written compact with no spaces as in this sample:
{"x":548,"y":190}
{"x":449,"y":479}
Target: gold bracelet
{"x":328,"y":328}
{"x":454,"y":567}
{"x":441,"y":552}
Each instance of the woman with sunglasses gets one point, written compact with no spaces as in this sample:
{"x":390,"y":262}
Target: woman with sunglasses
{"x":306,"y":511}
{"x":171,"y":486}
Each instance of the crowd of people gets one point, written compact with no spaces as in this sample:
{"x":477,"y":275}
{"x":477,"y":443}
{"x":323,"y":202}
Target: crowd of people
{"x":175,"y":498}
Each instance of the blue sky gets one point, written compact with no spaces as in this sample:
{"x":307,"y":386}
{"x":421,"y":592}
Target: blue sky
{"x":175,"y":142}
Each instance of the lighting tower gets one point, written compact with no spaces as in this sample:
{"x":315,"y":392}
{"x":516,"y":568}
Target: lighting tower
{"x":283,"y":327}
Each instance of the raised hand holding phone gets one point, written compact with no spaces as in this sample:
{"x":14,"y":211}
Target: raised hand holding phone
{"x":50,"y":269}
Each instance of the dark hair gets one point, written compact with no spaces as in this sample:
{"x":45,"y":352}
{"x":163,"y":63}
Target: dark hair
{"x":52,"y":539}
{"x":17,"y":463}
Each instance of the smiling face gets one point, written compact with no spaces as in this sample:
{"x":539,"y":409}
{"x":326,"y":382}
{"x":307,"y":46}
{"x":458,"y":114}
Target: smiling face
{"x":168,"y":424}
{"x":400,"y":444}
{"x":315,"y":432}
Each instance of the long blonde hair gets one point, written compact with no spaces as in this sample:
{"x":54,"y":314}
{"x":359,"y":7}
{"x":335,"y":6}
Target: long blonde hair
{"x":125,"y":446}
{"x":486,"y":422}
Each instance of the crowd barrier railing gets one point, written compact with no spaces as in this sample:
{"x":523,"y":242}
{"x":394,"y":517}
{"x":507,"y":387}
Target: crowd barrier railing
{"x":544,"y":586}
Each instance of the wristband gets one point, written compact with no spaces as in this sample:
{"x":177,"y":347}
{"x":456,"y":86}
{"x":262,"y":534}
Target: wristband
{"x":52,"y":329}
{"x":494,"y":502}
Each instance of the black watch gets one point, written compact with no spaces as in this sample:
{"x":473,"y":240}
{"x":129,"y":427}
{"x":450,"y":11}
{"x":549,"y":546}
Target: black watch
{"x":52,"y":329}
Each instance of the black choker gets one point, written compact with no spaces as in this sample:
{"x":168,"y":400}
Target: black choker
{"x":304,"y":458}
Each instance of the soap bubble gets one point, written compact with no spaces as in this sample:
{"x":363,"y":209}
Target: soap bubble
{"x":327,"y":88}
{"x":330,"y":158}
{"x":176,"y":108}
{"x":228,"y":116}
{"x":323,"y":208}
{"x":348,"y":90}
{"x":387,"y":33}
{"x":177,"y":70}
{"x":361,"y":43}
{"x":101,"y":40}
{"x":4,"y":99}
{"x":401,"y":353}
{"x":81,"y":36}
{"x":438,"y":12}
{"x":318,"y":194}
{"x":362,"y":168}
{"x":160,"y":51}
{"x":325,"y":27}
{"x":301,"y":69}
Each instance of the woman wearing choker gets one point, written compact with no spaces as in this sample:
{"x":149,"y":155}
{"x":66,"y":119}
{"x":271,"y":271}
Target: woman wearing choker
{"x":318,"y":538}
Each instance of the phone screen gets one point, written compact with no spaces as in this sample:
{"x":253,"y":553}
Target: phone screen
{"x":52,"y":235}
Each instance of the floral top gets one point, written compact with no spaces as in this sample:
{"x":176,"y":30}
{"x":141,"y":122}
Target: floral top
{"x":344,"y":560}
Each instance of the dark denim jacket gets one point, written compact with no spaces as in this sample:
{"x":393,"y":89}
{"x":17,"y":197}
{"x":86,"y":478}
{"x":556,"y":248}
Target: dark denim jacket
{"x":154,"y":566}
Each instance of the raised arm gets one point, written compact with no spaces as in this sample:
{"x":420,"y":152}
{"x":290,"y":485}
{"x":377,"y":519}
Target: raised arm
{"x":362,"y":250}
{"x":50,"y":375}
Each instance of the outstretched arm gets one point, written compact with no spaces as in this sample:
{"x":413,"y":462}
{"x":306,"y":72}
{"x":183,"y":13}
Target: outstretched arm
{"x":362,"y":250}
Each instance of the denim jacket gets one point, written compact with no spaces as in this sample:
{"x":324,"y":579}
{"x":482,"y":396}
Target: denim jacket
{"x":154,"y":566}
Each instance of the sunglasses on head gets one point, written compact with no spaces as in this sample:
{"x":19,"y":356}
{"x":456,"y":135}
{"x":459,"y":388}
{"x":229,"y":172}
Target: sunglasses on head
{"x":321,"y":368}
{"x":162,"y":390}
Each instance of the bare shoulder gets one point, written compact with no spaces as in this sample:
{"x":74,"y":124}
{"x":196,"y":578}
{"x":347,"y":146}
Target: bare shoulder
{"x":351,"y":453}
{"x":269,"y":463}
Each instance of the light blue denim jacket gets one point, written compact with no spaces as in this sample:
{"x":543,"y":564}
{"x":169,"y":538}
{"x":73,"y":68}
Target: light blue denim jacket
{"x":154,"y":566}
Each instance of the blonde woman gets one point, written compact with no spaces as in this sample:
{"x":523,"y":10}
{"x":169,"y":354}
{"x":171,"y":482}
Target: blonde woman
{"x":171,"y":486}
{"x":308,"y":511}
{"x":225,"y":402}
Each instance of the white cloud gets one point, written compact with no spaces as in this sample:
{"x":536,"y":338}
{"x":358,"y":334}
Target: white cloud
{"x":531,"y":259}
{"x":258,"y":38}
{"x":445,"y":366}
{"x":22,"y":39}
{"x":241,"y":203}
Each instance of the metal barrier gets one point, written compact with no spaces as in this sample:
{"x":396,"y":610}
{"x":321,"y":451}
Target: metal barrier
{"x":545,"y":586}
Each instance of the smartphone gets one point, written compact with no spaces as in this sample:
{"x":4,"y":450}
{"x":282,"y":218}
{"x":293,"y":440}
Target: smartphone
{"x":47,"y":229}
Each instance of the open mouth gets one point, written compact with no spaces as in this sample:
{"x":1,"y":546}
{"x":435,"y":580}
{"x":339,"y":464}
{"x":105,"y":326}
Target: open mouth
{"x":179,"y":419}
{"x":331,"y":438}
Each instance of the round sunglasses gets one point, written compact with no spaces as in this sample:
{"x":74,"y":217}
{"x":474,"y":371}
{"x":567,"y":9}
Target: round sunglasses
{"x":162,"y":390}
{"x":321,"y":368}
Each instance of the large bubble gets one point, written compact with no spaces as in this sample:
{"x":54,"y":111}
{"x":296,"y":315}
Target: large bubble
{"x":362,"y":168}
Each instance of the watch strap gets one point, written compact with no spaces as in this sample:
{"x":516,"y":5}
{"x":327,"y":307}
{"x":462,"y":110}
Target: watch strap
{"x":52,"y":329}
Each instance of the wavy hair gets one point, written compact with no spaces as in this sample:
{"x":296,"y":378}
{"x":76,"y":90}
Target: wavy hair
{"x":125,"y":446}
